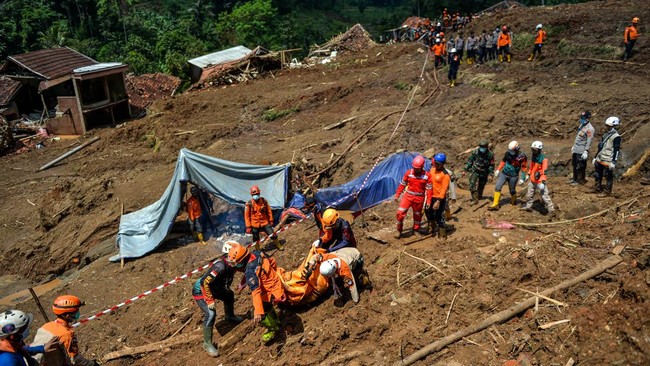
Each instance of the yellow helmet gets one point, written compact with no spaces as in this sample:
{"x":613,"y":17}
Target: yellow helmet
{"x":329,"y":218}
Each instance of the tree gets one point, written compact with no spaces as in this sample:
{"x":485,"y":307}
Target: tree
{"x":55,"y":36}
{"x":250,"y":24}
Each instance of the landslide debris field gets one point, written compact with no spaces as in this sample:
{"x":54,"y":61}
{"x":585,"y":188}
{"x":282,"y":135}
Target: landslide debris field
{"x":63,"y":221}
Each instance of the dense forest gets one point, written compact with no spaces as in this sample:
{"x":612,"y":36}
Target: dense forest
{"x":161,"y":35}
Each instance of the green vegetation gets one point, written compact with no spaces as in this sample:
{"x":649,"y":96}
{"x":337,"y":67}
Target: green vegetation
{"x":488,"y":82}
{"x":403,"y":86}
{"x":273,"y":114}
{"x":522,"y":42}
{"x":568,"y":48}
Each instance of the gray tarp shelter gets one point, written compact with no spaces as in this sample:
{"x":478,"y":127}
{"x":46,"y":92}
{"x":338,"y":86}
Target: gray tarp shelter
{"x":142,"y":231}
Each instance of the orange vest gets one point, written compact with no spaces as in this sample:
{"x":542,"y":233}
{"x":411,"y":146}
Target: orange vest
{"x":438,"y":49}
{"x":193,"y":208}
{"x":504,"y":39}
{"x":258,"y":214}
{"x":59,"y":329}
{"x":541,"y":36}
{"x":631,"y":34}
{"x":440,"y":183}
{"x":270,"y":286}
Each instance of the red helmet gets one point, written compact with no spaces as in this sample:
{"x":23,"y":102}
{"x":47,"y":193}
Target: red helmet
{"x":66,"y":304}
{"x":418,"y":162}
{"x":255,"y":190}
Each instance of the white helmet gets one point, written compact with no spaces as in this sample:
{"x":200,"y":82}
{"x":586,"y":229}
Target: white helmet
{"x":328,"y":267}
{"x":13,"y":321}
{"x":513,"y":145}
{"x":228,"y":245}
{"x":453,"y":50}
{"x":537,"y":145}
{"x":539,"y":26}
{"x":612,"y":121}
{"x":438,"y":24}
{"x":437,"y":40}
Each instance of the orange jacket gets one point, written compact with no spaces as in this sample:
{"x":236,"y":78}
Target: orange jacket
{"x":504,"y":39}
{"x":438,"y":49}
{"x":343,"y":270}
{"x":538,"y":165}
{"x":193,"y":208}
{"x":440,"y":183}
{"x":67,"y":338}
{"x":631,"y":34}
{"x":258,"y":214}
{"x":264,"y":281}
{"x":541,"y":37}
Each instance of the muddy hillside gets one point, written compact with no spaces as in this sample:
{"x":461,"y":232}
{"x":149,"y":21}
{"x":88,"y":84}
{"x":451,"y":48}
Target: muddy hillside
{"x":61,"y":222}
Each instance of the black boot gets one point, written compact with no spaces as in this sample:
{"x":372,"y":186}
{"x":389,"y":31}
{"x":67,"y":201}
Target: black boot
{"x":229,"y":310}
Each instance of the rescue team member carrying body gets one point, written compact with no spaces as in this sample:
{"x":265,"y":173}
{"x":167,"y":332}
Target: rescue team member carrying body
{"x":440,"y":184}
{"x":606,"y":158}
{"x":540,"y":38}
{"x":14,"y":329}
{"x":480,"y":166}
{"x":337,"y":232}
{"x":629,"y":38}
{"x":511,"y":165}
{"x":66,"y":308}
{"x":580,"y":149}
{"x":418,"y":185}
{"x":340,"y":265}
{"x":193,"y":207}
{"x":260,"y":272}
{"x":503,"y":44}
{"x":258,"y":216}
{"x":215,"y":284}
{"x":537,"y":175}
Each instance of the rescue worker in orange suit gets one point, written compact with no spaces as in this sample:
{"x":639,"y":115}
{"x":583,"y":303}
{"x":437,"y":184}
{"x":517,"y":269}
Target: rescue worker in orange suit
{"x":194,"y":212}
{"x":540,"y":39}
{"x":512,"y":165}
{"x":215,"y":285}
{"x":609,"y":150}
{"x":438,"y":50}
{"x":503,"y":44}
{"x":260,"y":273}
{"x":417,"y":183}
{"x":14,"y":329}
{"x":440,"y":184}
{"x":629,"y":37}
{"x":337,"y":232}
{"x":350,"y":265}
{"x":259,"y":217}
{"x":66,"y":308}
{"x":537,"y":176}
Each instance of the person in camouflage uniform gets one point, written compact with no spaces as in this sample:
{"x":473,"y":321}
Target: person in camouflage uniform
{"x":480,"y":167}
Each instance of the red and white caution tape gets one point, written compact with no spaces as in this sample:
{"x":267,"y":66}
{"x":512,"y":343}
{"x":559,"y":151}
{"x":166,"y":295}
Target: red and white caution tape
{"x":169,"y":283}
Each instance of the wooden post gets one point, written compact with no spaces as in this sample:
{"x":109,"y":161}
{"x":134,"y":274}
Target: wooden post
{"x":38,"y":303}
{"x":77,"y":94}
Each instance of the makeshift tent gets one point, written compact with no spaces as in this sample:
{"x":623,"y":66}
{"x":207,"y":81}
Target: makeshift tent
{"x":380,"y":186}
{"x":142,"y":231}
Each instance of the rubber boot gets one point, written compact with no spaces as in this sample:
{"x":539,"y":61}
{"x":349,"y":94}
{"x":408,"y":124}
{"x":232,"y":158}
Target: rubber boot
{"x":500,"y":58}
{"x":513,"y":199}
{"x":495,"y":205}
{"x":229,"y":310}
{"x":509,"y":57}
{"x":531,"y":57}
{"x":447,"y":214}
{"x":207,"y":342}
{"x":474,"y":199}
{"x":272,"y":325}
{"x":201,"y":241}
{"x":398,"y":233}
{"x":277,"y":244}
{"x":442,"y":233}
{"x":453,"y":83}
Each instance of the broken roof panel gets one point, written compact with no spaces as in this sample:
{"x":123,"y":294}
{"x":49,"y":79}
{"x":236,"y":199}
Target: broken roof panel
{"x":52,"y":63}
{"x":97,"y":67}
{"x":146,"y":89}
{"x":224,"y":56}
{"x":8,"y":89}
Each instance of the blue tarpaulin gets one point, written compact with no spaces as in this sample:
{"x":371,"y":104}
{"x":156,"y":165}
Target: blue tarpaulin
{"x":142,"y":231}
{"x":380,"y":186}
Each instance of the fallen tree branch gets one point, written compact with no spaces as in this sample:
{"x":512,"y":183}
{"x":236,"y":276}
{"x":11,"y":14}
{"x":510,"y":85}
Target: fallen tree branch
{"x":634,"y":169}
{"x":434,"y":267}
{"x":508,"y":313}
{"x":156,"y":346}
{"x":525,"y":224}
{"x":338,"y":124}
{"x":610,"y":61}
{"x":66,"y":155}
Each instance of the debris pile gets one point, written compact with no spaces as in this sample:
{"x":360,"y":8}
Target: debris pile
{"x":354,"y":40}
{"x":241,"y":70}
{"x":6,"y":137}
{"x":148,"y":88}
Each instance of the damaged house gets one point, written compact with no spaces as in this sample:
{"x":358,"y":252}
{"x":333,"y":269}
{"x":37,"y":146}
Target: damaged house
{"x":70,"y":91}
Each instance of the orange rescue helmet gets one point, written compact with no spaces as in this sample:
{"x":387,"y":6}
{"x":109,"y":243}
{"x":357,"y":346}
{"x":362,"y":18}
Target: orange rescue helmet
{"x":255,"y":190}
{"x":66,"y":304}
{"x":635,"y":20}
{"x":418,"y":162}
{"x":329,"y":218}
{"x":237,"y":253}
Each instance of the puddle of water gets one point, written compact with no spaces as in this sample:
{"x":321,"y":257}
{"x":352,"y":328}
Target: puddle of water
{"x":24,"y":295}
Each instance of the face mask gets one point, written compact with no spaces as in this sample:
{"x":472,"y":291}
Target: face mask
{"x":482,"y":150}
{"x":239,"y":265}
{"x":256,"y":197}
{"x":76,"y":316}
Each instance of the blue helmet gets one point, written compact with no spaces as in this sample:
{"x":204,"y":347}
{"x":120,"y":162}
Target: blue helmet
{"x":440,"y":158}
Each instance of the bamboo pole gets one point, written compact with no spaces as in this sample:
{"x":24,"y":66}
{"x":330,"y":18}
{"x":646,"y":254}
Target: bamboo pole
{"x":508,"y":313}
{"x":38,"y":303}
{"x":69,"y":153}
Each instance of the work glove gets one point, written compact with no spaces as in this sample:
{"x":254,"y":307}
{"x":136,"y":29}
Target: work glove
{"x":612,"y":166}
{"x":249,"y":230}
{"x":316,"y":243}
{"x":541,"y":186}
{"x":211,"y":306}
{"x":593,"y":162}
{"x":584,"y":155}
{"x":521,"y":182}
{"x":496,"y":173}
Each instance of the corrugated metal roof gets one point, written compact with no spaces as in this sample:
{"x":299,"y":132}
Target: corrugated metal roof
{"x":217,"y":58}
{"x":52,"y":63}
{"x":8,"y":88}
{"x":98,"y":67}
